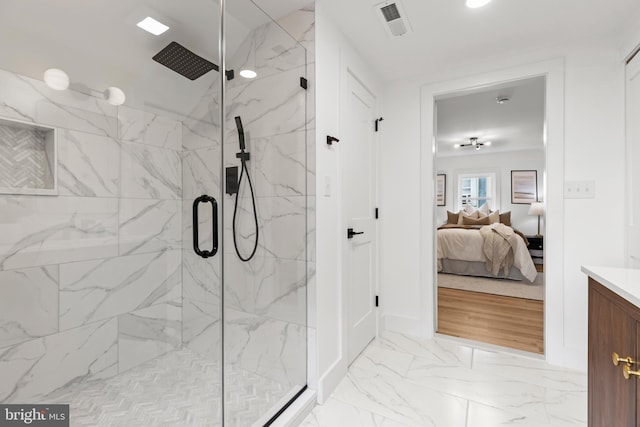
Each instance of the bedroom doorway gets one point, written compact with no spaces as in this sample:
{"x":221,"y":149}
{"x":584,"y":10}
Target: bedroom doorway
{"x":489,"y":173}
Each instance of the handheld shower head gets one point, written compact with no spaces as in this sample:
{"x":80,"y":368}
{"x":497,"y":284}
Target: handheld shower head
{"x":240,"y":133}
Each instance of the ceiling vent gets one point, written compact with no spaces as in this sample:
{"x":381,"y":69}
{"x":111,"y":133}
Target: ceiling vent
{"x":393,"y":18}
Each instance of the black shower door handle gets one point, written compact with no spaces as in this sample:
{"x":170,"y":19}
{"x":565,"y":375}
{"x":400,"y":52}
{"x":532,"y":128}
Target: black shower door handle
{"x":214,"y":207}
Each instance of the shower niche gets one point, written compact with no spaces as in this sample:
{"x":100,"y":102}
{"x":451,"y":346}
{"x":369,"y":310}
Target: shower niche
{"x":28,"y":158}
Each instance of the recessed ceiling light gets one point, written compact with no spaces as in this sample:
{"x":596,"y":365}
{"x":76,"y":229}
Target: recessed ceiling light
{"x":151,"y":25}
{"x":502,"y":99}
{"x":248,"y":74}
{"x":473,"y":4}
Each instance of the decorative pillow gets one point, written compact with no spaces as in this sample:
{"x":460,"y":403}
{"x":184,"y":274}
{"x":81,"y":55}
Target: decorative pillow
{"x":468,"y":209}
{"x":484,"y":210}
{"x":494,"y":217}
{"x":505,"y":218}
{"x":476,"y":221}
{"x":463,"y":214}
{"x":453,"y":217}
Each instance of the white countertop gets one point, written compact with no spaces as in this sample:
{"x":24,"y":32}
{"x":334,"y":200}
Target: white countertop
{"x":623,"y":281}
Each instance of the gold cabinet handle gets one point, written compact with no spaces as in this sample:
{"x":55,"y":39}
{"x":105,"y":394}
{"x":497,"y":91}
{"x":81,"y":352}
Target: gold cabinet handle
{"x":617,"y":359}
{"x":627,"y":372}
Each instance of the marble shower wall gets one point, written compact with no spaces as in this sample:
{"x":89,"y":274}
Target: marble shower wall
{"x":90,"y":280}
{"x":266,"y":298}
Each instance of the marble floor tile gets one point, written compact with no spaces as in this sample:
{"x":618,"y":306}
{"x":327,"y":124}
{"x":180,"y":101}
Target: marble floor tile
{"x":335,"y":413}
{"x":402,"y":401}
{"x":440,"y":352}
{"x":400,"y":380}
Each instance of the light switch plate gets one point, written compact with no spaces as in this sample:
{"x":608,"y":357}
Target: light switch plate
{"x":579,"y":189}
{"x":327,"y":186}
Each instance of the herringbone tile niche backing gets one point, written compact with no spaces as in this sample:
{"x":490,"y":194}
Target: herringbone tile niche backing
{"x":24,"y":157}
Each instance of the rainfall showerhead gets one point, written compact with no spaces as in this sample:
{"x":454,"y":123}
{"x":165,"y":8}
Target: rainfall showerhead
{"x":184,"y":62}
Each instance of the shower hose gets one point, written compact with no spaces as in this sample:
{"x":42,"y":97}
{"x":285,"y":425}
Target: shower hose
{"x":243,"y":171}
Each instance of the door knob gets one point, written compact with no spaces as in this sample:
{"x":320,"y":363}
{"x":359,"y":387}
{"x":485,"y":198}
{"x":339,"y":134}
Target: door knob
{"x":615,"y":357}
{"x":627,"y":372}
{"x":351,"y":233}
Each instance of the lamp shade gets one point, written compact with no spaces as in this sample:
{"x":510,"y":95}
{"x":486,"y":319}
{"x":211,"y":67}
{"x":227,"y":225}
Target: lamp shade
{"x":536,"y":208}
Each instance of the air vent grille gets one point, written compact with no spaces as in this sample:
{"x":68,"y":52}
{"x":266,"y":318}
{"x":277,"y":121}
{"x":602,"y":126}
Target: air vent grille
{"x":393,"y":18}
{"x":390,"y":12}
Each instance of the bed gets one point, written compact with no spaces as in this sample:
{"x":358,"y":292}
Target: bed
{"x":475,"y":250}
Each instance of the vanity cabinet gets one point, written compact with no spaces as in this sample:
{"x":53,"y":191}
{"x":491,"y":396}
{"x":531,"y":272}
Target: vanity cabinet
{"x":613,"y":327}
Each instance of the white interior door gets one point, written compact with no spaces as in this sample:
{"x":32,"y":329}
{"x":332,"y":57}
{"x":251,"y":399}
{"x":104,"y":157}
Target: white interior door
{"x":633,"y":163}
{"x":359,"y":195}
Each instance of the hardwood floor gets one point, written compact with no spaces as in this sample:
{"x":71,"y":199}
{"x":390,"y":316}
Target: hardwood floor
{"x":495,"y":319}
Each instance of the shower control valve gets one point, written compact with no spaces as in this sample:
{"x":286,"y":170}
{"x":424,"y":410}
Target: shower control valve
{"x":243,"y":156}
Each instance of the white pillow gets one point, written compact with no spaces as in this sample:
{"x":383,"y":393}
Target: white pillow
{"x":484,"y":209}
{"x":468,"y":209}
{"x":494,"y":217}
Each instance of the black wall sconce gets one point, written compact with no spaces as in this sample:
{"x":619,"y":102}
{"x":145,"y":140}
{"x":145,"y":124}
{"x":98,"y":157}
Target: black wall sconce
{"x":331,"y":140}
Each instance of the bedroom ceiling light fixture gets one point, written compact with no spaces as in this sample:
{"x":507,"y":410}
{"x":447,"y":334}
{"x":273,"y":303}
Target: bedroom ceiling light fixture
{"x":473,"y":143}
{"x":474,"y":4}
{"x":152,"y":26}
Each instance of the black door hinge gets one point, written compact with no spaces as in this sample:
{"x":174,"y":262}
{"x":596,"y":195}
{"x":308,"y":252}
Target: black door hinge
{"x":377,"y":214}
{"x":304,"y":84}
{"x":376,"y":300}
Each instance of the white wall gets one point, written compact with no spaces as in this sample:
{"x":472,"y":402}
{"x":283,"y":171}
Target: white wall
{"x":333,"y":55}
{"x":593,"y":150}
{"x":502,"y":163}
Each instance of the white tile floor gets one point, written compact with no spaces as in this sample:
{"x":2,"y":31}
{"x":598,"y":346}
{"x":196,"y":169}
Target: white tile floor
{"x":400,"y":381}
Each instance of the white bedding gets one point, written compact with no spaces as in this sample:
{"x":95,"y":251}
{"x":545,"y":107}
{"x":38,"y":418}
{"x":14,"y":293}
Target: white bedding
{"x":466,"y":245}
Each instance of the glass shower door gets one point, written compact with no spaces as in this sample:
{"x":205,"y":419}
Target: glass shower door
{"x":265,"y":221}
{"x":104,"y":304}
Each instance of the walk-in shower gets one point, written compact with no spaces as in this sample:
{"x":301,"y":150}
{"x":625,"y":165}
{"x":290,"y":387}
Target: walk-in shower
{"x":132,"y":287}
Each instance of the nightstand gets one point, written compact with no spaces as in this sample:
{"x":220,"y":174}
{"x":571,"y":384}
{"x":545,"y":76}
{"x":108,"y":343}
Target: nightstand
{"x":536,"y":249}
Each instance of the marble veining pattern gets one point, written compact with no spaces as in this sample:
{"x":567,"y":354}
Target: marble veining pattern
{"x":94,"y":290}
{"x":28,"y":304}
{"x":202,"y":328}
{"x":38,"y":231}
{"x":148,"y":225}
{"x":404,"y":381}
{"x":89,"y":165}
{"x":149,"y":128}
{"x":201,"y":279}
{"x":268,"y":347}
{"x":38,"y":367}
{"x":150,"y":172}
{"x":270,"y":106}
{"x":148,"y":333}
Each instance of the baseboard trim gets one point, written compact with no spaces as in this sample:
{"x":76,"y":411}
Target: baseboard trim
{"x":328,"y":382}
